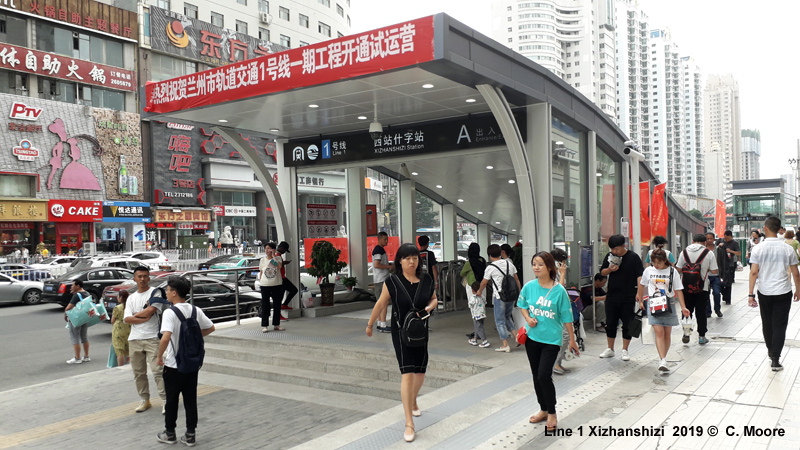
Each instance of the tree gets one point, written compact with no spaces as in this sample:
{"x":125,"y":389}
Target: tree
{"x":697,"y":214}
{"x":427,"y":216}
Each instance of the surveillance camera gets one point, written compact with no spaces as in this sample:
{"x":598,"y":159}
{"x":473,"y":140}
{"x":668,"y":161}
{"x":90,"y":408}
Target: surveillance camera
{"x":375,"y":130}
{"x":627,"y":150}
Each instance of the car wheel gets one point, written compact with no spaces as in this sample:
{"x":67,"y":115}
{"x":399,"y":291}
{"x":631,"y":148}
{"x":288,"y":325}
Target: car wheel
{"x":95,"y":298}
{"x":32,"y":297}
{"x":252,"y":311}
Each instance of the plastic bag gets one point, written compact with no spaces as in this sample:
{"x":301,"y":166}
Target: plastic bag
{"x":112,"y":357}
{"x":648,"y":334}
{"x":83,"y":312}
{"x":688,"y":324}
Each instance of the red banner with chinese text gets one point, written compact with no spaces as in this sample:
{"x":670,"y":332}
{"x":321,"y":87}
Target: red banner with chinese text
{"x":375,"y":51}
{"x":659,"y":215}
{"x":644,"y":211}
{"x":720,"y":219}
{"x":341,"y":244}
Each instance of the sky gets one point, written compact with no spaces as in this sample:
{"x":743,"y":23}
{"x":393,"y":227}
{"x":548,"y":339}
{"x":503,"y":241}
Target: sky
{"x":757,"y":44}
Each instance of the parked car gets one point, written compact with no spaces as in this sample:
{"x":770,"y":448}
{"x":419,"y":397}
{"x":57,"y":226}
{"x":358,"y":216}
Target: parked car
{"x":24,"y":272}
{"x":56,"y":290}
{"x":13,"y":290}
{"x":107,"y":261}
{"x":153,"y":259}
{"x":57,"y":265}
{"x":215,"y":260}
{"x":234,"y":261}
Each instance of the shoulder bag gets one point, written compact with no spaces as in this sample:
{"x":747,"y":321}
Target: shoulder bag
{"x":413,"y":328}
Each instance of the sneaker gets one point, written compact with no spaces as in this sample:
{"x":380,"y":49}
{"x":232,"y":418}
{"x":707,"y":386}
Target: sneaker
{"x":385,"y":329}
{"x":625,"y":356}
{"x":167,"y":438}
{"x":265,"y":330}
{"x":74,"y":361}
{"x":164,"y":408}
{"x":86,"y":359}
{"x":776,"y":365}
{"x":662,"y":365}
{"x":484,"y":344}
{"x":144,"y":406}
{"x":719,"y":314}
{"x":188,"y":440}
{"x":558,"y":371}
{"x":286,"y":307}
{"x":708,"y":315}
{"x":506,"y":349}
{"x":702,"y":340}
{"x":607,"y":353}
{"x":473,"y":342}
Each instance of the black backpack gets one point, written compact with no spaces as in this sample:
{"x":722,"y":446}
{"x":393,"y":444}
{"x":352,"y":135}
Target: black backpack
{"x":693,"y":280}
{"x":509,"y":291}
{"x":423,"y":261}
{"x":191,"y":348}
{"x":413,"y":330}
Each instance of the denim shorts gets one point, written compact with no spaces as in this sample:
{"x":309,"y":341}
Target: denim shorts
{"x":666,"y":320}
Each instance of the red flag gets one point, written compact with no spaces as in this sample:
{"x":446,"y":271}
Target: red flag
{"x":659,"y":216}
{"x":644,"y":211}
{"x":720,"y":218}
{"x":608,"y":226}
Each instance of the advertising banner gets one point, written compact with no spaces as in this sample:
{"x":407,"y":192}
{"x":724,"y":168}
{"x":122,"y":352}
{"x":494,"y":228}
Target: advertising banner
{"x":75,"y":211}
{"x":119,"y":135}
{"x":388,"y":48}
{"x":720,"y":219}
{"x":644,"y":211}
{"x":126,"y":212}
{"x":372,"y":220}
{"x":659,"y":217}
{"x":94,"y":16}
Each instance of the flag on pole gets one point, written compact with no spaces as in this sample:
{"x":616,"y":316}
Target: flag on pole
{"x":644,"y":211}
{"x":720,"y":219}
{"x":659,"y":216}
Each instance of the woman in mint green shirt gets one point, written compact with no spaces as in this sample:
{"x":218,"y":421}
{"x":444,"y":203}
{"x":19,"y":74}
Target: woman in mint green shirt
{"x":545,"y":305}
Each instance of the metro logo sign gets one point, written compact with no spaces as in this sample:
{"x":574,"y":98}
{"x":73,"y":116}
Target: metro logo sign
{"x":21,"y":111}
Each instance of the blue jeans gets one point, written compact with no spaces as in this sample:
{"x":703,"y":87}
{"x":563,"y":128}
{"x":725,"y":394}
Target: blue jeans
{"x":715,"y":284}
{"x":503,"y":318}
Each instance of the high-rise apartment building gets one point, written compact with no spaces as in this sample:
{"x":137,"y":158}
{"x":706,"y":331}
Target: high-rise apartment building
{"x":692,"y":98}
{"x":633,"y":68}
{"x":574,"y":39}
{"x":721,"y":119}
{"x":751,"y":154}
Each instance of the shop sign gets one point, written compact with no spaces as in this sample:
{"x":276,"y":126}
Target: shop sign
{"x":200,"y":226}
{"x":185,"y":226}
{"x":391,"y":47}
{"x":240,"y":211}
{"x":95,"y":16}
{"x":27,"y":128}
{"x":464,"y":133}
{"x":15,"y":226}
{"x":160,"y":225}
{"x":373,"y":184}
{"x":126,"y":212}
{"x":219,"y":211}
{"x":25,"y":151}
{"x":162,"y":215}
{"x":62,"y":67}
{"x":21,"y":111}
{"x":23,"y":210}
{"x":75,"y":211}
{"x":190,"y":38}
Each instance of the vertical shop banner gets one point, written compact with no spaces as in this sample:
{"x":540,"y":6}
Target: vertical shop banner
{"x":119,"y":134}
{"x":720,"y":219}
{"x":372,"y":220}
{"x":608,"y":224}
{"x":659,"y":216}
{"x":644,"y":211}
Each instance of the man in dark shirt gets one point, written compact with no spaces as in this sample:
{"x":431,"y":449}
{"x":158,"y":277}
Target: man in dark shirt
{"x":599,"y":296}
{"x":728,"y":252}
{"x":624,"y":271}
{"x":428,"y":259}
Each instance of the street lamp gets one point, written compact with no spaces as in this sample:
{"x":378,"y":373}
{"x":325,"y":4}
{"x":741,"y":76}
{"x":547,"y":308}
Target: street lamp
{"x":634,"y":157}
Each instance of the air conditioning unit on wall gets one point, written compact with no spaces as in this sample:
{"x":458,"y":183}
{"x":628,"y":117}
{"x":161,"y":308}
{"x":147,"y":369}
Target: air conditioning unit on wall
{"x":266,"y":18}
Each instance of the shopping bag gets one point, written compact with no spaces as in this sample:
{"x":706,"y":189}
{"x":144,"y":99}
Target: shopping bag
{"x":648,"y":334}
{"x":112,"y":357}
{"x":635,"y":325}
{"x":101,"y":311}
{"x":82,"y":312}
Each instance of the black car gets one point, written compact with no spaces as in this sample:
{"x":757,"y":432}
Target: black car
{"x":215,"y":260}
{"x":57,"y":290}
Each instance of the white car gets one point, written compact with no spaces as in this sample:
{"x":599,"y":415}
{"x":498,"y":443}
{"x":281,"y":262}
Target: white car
{"x":57,"y":265}
{"x":152,"y":259}
{"x":106,"y":261}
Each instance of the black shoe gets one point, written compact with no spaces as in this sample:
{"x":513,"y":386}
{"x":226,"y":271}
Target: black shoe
{"x":776,"y":365}
{"x":471,"y":335}
{"x":708,"y":315}
{"x":719,"y":314}
{"x":188,"y":440}
{"x":166,"y":437}
{"x":727,"y":303}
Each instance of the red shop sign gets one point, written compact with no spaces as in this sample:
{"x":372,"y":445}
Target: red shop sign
{"x":63,"y":67}
{"x":391,"y":47}
{"x":159,"y":225}
{"x":16,"y":226}
{"x":200,"y":225}
{"x":75,"y":211}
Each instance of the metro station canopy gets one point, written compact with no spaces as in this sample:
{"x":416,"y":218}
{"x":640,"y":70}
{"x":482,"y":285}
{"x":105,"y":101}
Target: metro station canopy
{"x":418,"y":71}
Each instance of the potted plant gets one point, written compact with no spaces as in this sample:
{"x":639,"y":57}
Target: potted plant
{"x":349,"y":282}
{"x":324,"y":263}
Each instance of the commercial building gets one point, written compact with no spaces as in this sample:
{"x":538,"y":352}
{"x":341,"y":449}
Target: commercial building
{"x":751,"y":156}
{"x":722,"y":121}
{"x":70,"y":130}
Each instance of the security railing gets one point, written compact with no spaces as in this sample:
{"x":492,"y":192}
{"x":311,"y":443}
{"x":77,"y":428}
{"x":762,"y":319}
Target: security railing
{"x":252,"y":307}
{"x":27,"y":274}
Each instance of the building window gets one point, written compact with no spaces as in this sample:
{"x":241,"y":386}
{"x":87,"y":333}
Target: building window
{"x":57,"y":90}
{"x":242,"y":2}
{"x":217,"y":19}
{"x":304,"y":20}
{"x":325,"y":29}
{"x":509,"y":29}
{"x":325,"y":2}
{"x":163,"y":4}
{"x":286,"y":41}
{"x":508,"y":8}
{"x":263,"y":34}
{"x":283,"y":13}
{"x":12,"y":30}
{"x":338,"y":34}
{"x":303,"y":44}
{"x":190,"y":10}
{"x":510,"y":39}
{"x":348,"y":18}
{"x":163,"y":67}
{"x":13,"y":83}
{"x":53,"y":39}
{"x":339,"y":10}
{"x":263,"y":6}
{"x":241,"y":27}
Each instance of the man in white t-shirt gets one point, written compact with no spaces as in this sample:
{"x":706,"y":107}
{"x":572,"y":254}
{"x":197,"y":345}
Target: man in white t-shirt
{"x":177,"y":383}
{"x":143,"y":340}
{"x":494,"y":273}
{"x":768,"y":263}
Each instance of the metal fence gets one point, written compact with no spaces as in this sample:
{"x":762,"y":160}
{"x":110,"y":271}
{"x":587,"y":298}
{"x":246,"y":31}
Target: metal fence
{"x":238,"y":274}
{"x":27,"y":274}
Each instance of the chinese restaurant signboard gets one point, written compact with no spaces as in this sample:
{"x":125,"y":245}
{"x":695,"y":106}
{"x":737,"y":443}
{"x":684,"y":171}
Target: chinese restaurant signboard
{"x":91,"y":15}
{"x":165,"y":215}
{"x":62,"y":67}
{"x":23,"y":210}
{"x":190,"y":38}
{"x":388,"y":48}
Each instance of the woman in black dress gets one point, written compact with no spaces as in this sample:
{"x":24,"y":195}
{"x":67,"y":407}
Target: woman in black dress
{"x":407,"y":282}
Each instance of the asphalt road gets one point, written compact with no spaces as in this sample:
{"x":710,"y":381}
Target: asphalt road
{"x":35,"y":346}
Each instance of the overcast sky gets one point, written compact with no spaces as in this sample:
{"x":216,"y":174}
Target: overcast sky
{"x":759,"y":45}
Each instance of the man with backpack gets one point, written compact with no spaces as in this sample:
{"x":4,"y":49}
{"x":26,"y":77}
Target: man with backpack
{"x":181,"y":352}
{"x":506,"y":287}
{"x":427,"y":259}
{"x":695,"y":263}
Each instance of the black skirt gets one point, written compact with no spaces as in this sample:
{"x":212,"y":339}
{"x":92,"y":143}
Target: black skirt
{"x":409,"y":359}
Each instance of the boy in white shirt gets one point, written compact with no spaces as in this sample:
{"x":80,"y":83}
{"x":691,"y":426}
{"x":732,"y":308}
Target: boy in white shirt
{"x":178,"y":383}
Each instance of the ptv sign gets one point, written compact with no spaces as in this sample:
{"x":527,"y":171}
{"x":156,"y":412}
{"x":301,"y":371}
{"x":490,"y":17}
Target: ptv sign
{"x":21,"y":111}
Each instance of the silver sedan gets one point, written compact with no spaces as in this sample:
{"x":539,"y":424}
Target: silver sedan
{"x":13,"y":291}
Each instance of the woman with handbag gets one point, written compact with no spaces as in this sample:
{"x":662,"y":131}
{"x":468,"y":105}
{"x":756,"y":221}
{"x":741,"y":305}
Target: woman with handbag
{"x":545,"y":305}
{"x":663,"y":284}
{"x":270,"y":282}
{"x":408,"y":289}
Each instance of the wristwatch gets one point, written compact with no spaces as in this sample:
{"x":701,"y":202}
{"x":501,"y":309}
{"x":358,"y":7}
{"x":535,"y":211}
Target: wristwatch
{"x":752,"y":295}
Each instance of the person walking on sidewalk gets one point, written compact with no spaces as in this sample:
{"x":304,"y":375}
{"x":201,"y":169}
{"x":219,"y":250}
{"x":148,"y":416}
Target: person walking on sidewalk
{"x":176,"y":382}
{"x":714,"y":283}
{"x":289,"y":288}
{"x":120,"y":330}
{"x":473,"y":271}
{"x":768,"y":263}
{"x":727,"y":255}
{"x":143,"y":340}
{"x":545,"y":305}
{"x":755,"y":238}
{"x":271,"y":284}
{"x":477,"y":309}
{"x":78,"y":335}
{"x":495,"y":272}
{"x":624,"y":271}
{"x":560,"y":256}
{"x":696,"y":263}
{"x":409,"y":287}
{"x":659,"y":242}
{"x":380,"y":272}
